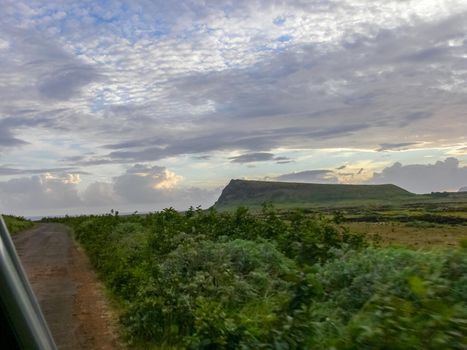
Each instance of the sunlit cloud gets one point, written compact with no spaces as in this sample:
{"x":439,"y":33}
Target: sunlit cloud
{"x":169,"y":180}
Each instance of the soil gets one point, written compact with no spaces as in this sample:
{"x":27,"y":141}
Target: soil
{"x":71,"y":298}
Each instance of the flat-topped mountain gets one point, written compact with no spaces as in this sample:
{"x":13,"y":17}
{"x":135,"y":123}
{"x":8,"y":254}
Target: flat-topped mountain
{"x":245,"y":192}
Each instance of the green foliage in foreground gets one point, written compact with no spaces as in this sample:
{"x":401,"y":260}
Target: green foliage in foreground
{"x":16,"y":223}
{"x":209,"y":280}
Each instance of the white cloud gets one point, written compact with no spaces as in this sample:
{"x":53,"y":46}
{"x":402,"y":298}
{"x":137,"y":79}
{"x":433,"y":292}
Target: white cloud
{"x":38,"y":193}
{"x":447,"y":175}
{"x":146,"y":188}
{"x":99,"y":194}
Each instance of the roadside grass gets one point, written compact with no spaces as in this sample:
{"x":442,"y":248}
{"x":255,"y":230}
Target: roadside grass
{"x":17,"y":224}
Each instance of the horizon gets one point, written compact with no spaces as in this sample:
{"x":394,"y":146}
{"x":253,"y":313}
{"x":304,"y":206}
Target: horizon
{"x":143,"y":105}
{"x":106,"y":211}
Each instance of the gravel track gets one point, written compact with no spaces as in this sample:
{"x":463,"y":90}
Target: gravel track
{"x":70,"y":296}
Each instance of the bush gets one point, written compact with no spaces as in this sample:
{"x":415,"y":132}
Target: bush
{"x":16,"y":224}
{"x":392,"y":298}
{"x":209,"y":280}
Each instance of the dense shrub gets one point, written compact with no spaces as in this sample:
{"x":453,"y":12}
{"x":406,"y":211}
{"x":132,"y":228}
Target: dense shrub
{"x":209,"y":280}
{"x":368,"y":296}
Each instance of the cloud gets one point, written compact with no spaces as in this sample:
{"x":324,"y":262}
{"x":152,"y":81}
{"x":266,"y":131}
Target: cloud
{"x":154,"y":188}
{"x":159,"y":80}
{"x":395,"y":146}
{"x":283,"y":160}
{"x":257,"y":157}
{"x":66,"y":82}
{"x":99,"y":194}
{"x":8,"y":140}
{"x":40,"y":193}
{"x":252,"y":157}
{"x":445,"y":175}
{"x":143,"y":184}
{"x":315,"y":176}
{"x":92,"y":86}
{"x":142,"y":187}
{"x":8,"y":171}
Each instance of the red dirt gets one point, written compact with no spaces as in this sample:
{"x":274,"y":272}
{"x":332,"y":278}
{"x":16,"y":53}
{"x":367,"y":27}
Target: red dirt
{"x":70,"y":296}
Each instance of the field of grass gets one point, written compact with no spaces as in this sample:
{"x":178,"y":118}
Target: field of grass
{"x":16,"y":224}
{"x":426,"y":221}
{"x":278,"y":279}
{"x":415,"y":234}
{"x":416,"y":225}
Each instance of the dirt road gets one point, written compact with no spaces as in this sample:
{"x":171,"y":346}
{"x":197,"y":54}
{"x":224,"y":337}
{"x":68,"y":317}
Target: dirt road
{"x":68,"y":292}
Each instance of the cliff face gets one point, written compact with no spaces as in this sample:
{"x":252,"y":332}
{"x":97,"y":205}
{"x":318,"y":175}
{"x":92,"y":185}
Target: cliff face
{"x":239,"y":192}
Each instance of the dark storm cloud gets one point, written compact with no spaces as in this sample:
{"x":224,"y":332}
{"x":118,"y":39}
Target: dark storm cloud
{"x":319,"y":176}
{"x":445,"y":175}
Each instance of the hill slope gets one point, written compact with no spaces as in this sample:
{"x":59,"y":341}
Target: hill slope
{"x":243,"y":192}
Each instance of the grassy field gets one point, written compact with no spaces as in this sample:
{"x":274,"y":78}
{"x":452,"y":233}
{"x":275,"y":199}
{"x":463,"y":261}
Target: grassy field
{"x":386,"y":214}
{"x":16,"y":223}
{"x":416,"y":225}
{"x":412,"y":235}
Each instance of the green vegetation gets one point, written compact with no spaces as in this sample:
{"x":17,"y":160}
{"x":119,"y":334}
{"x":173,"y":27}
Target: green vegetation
{"x":16,"y":223}
{"x":237,"y":280}
{"x":254,"y":193}
{"x":318,"y":197}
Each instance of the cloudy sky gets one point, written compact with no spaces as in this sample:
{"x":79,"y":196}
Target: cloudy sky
{"x":140,"y":105}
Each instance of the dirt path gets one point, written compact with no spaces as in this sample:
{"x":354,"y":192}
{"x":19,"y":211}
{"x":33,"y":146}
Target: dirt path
{"x":67,"y":289}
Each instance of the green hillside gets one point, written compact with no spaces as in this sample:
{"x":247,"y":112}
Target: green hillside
{"x":251,"y":193}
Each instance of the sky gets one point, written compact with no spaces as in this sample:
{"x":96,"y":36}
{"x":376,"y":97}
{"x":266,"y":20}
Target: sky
{"x":141,"y":105}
